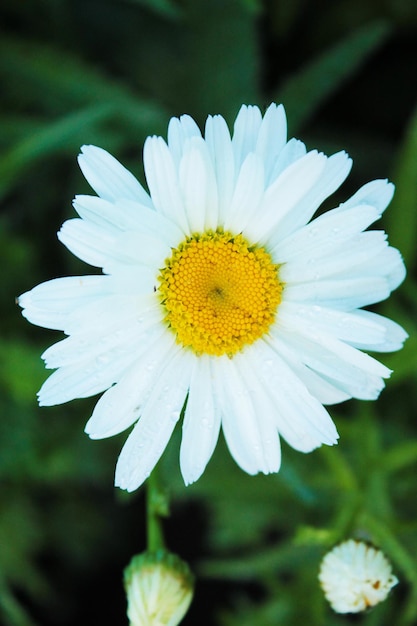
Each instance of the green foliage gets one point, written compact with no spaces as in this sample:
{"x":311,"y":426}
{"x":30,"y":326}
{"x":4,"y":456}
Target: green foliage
{"x":305,"y":91}
{"x":110,"y":72}
{"x":404,"y":225}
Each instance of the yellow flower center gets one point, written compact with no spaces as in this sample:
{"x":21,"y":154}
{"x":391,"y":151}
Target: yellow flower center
{"x":219,"y":292}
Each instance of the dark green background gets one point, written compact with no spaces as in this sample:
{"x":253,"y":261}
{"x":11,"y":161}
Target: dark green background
{"x":109,"y":73}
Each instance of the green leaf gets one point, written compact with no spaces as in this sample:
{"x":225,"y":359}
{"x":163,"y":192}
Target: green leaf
{"x":68,"y":132}
{"x":11,"y":611}
{"x":21,"y":371}
{"x":401,"y":219}
{"x":306,"y":91}
{"x":401,"y":456}
{"x":221,"y":57}
{"x":31,"y":77}
{"x":165,"y":8}
{"x":68,"y":83}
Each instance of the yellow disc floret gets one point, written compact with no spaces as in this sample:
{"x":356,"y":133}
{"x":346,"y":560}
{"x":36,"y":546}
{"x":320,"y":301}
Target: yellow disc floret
{"x":219,"y":292}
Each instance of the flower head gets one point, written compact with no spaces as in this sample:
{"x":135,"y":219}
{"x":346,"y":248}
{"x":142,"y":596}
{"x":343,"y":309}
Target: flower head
{"x":220,"y":293}
{"x":159,"y":588}
{"x":355,"y":576}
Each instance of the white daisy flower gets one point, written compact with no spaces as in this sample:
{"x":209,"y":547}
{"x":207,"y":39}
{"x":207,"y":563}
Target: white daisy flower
{"x":354,"y":576}
{"x":219,"y":292}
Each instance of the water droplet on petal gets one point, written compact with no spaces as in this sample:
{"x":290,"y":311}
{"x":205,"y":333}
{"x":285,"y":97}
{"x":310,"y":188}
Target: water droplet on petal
{"x":102,"y":359}
{"x":175,"y":415}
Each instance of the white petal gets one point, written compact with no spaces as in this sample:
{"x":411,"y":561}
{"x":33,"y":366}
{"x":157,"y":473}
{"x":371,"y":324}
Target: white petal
{"x":343,"y":294}
{"x":389,"y":263}
{"x":324,"y":390}
{"x":354,"y":258}
{"x":201,"y":424}
{"x":336,"y":169}
{"x":109,"y":178}
{"x":115,"y":326}
{"x":250,"y":435}
{"x":284,"y":194}
{"x":352,"y":327}
{"x":100,"y":312}
{"x":300,"y":418}
{"x":49,"y":303}
{"x":377,"y":193}
{"x":90,"y":243}
{"x":293,"y":150}
{"x":393,"y":334}
{"x":86,"y":377}
{"x":122,"y":404}
{"x":198,"y":186}
{"x":247,"y":195}
{"x":271,"y":139}
{"x":162,"y":178}
{"x":336,"y":347}
{"x":107,"y":214}
{"x":98,"y":369}
{"x":179,"y":130}
{"x":151,"y":434}
{"x":126,"y":215}
{"x":107,"y":250}
{"x":220,"y":148}
{"x":245,"y":133}
{"x":138,"y":248}
{"x":325,"y":233}
{"x":265,"y":412}
{"x":352,"y":371}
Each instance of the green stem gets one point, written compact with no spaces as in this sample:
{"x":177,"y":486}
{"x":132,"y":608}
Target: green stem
{"x":156,"y":508}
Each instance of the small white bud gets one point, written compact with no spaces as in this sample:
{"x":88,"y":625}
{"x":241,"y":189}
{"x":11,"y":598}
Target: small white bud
{"x":159,"y":588}
{"x":355,"y":576}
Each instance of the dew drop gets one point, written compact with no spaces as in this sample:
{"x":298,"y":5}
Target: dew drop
{"x":102,"y":359}
{"x":175,"y":415}
{"x":343,"y":322}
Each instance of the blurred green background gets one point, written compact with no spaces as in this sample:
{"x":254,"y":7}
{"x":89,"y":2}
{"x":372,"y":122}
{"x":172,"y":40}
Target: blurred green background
{"x":110,"y":72}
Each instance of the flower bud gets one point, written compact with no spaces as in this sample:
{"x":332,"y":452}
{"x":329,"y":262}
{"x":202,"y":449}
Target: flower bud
{"x":355,"y":576}
{"x":159,"y":588}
